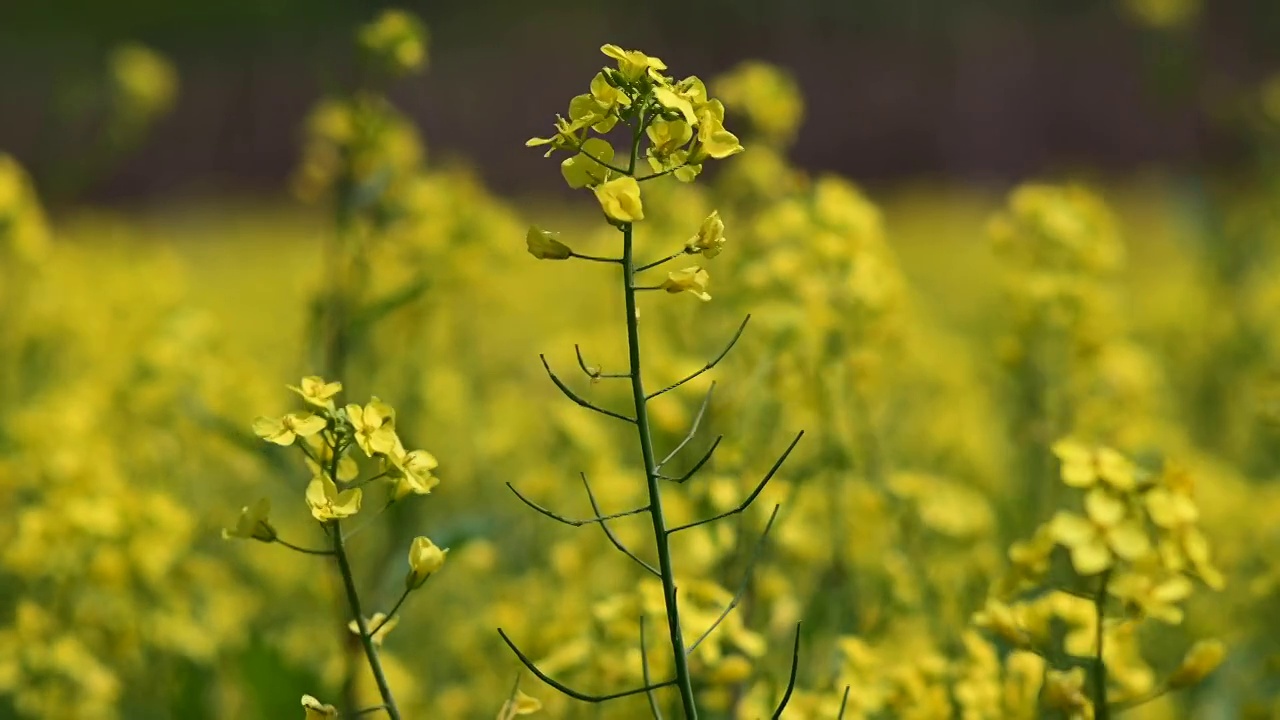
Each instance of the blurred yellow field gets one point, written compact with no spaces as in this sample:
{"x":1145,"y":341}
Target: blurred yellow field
{"x":302,"y":458}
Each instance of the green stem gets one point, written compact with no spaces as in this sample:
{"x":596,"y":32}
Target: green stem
{"x":366,"y":638}
{"x":1100,"y":709}
{"x":684,"y":680}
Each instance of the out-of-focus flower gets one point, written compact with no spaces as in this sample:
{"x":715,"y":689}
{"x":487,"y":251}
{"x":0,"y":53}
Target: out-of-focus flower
{"x":144,"y":83}
{"x":253,"y":523}
{"x":1202,"y":659}
{"x":395,"y":41}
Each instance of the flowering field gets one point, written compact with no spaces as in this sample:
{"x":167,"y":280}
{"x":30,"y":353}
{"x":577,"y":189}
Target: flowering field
{"x":717,"y":438}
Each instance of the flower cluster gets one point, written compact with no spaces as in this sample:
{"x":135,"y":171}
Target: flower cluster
{"x":683,"y":125}
{"x":1135,"y":549}
{"x":395,"y":41}
{"x":331,"y":439}
{"x":144,"y":84}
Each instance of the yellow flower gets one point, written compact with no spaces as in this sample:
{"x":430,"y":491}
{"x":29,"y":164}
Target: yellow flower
{"x":543,"y":245}
{"x":317,"y":710}
{"x":374,"y":425}
{"x":316,"y":391}
{"x":253,"y":523}
{"x":396,"y":41}
{"x":1153,"y":599}
{"x":415,"y":473}
{"x":768,"y":97}
{"x":327,"y":503}
{"x":1084,"y":467}
{"x":1004,"y":621}
{"x":1065,"y":691}
{"x":692,"y":280}
{"x":1203,"y":658}
{"x":620,"y":200}
{"x":378,"y":626}
{"x":666,"y":138}
{"x":1170,"y":510}
{"x":1104,"y":534}
{"x":634,"y":64}
{"x":710,"y":239}
{"x":284,"y":430}
{"x":668,"y":98}
{"x":424,"y":560}
{"x":713,"y":140}
{"x":608,"y":98}
{"x":582,"y":171}
{"x":519,"y":704}
{"x":145,"y":83}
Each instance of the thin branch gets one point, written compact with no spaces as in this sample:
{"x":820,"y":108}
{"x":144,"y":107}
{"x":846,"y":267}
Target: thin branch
{"x":602,"y":163}
{"x":663,"y":261}
{"x":595,"y":507}
{"x":594,"y":374}
{"x":708,"y":366}
{"x":698,"y":465}
{"x":668,"y":171}
{"x":366,"y":711}
{"x":511,"y":698}
{"x":576,"y":694}
{"x":305,"y":551}
{"x":394,"y":609}
{"x":693,"y":428}
{"x":568,"y":521}
{"x":578,"y":399}
{"x":746,"y":580}
{"x":750,"y":498}
{"x":644,"y":668}
{"x":844,"y":703}
{"x":791,"y":681}
{"x":594,"y":258}
{"x":1125,"y":705}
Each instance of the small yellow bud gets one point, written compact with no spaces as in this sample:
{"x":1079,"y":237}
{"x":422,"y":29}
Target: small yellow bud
{"x":317,"y":710}
{"x":424,"y":560}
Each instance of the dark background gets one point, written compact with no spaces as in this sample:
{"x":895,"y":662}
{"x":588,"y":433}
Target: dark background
{"x":970,"y":91}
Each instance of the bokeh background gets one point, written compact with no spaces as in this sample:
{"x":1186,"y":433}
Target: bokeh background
{"x":1001,"y":257}
{"x":991,"y":92}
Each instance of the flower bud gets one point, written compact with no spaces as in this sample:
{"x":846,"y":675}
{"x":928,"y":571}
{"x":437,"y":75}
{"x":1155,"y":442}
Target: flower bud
{"x":1202,"y":659}
{"x":424,"y":560}
{"x":317,"y":710}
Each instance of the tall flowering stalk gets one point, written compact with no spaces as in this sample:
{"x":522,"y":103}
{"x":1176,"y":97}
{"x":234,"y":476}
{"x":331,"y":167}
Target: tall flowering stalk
{"x":331,"y":439}
{"x":678,"y":128}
